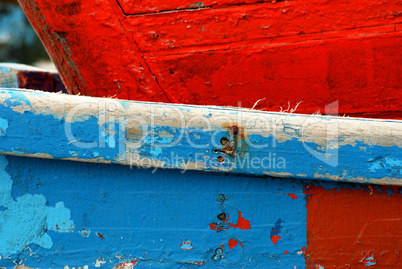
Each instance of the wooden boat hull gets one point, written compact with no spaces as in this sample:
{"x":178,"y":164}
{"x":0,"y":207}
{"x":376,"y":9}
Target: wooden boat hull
{"x":230,"y":52}
{"x":88,"y":183}
{"x":80,"y":214}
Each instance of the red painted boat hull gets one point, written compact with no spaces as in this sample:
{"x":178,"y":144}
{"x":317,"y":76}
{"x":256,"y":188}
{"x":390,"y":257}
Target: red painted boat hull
{"x":231,"y":52}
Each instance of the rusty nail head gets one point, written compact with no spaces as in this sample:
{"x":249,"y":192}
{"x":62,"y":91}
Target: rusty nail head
{"x":221,"y":216}
{"x":220,"y":159}
{"x":220,"y":198}
{"x":234,"y":130}
{"x":224,"y":140}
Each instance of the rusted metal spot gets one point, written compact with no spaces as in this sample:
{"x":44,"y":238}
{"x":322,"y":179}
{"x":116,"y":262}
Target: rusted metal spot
{"x":220,"y":198}
{"x":154,"y":35}
{"x":218,"y":254}
{"x":228,"y":148}
{"x":224,"y":141}
{"x":222,"y":216}
{"x":234,"y":130}
{"x":220,"y":159}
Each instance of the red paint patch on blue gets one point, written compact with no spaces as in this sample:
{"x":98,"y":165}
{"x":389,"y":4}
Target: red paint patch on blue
{"x":232,"y":243}
{"x":275,"y":238}
{"x":292,"y":195}
{"x":242,"y":223}
{"x":126,"y":265}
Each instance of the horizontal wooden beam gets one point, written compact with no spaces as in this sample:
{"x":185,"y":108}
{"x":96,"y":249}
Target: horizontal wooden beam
{"x":222,"y":139}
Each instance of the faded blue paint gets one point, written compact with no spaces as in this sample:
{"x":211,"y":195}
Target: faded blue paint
{"x":7,"y":78}
{"x":108,"y":134}
{"x":28,"y":219}
{"x":3,"y":126}
{"x":147,"y":216}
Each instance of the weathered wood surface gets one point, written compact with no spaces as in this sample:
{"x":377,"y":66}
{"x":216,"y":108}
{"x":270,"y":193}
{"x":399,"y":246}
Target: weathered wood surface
{"x":230,"y":52}
{"x":236,"y":141}
{"x":28,"y":77}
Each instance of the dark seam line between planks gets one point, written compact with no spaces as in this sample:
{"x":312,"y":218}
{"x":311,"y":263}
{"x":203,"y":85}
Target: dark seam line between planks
{"x":197,"y":8}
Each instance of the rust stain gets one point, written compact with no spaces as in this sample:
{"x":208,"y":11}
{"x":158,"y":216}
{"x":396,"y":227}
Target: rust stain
{"x":100,"y":236}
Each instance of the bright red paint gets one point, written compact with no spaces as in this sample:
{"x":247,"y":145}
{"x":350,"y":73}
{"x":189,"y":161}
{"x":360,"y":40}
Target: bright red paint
{"x":242,"y":223}
{"x":224,"y":53}
{"x":292,"y":195}
{"x":286,"y":252}
{"x":275,"y":238}
{"x":346,"y":226}
{"x":232,"y":243}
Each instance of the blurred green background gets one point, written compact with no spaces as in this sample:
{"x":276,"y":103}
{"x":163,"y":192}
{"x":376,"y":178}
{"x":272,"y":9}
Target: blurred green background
{"x":18,"y":41}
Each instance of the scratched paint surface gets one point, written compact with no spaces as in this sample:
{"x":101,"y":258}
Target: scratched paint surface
{"x":159,"y":219}
{"x":283,"y":51}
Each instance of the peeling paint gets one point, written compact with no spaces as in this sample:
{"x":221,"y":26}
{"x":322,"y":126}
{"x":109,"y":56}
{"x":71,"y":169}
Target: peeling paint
{"x":186,"y":245}
{"x":85,"y":232}
{"x":28,"y":219}
{"x":275,"y":231}
{"x":3,"y":126}
{"x":369,"y":260}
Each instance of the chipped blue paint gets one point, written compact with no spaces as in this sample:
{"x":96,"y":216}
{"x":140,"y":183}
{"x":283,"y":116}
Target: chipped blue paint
{"x":146,"y":216}
{"x":28,"y":219}
{"x":3,"y":126}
